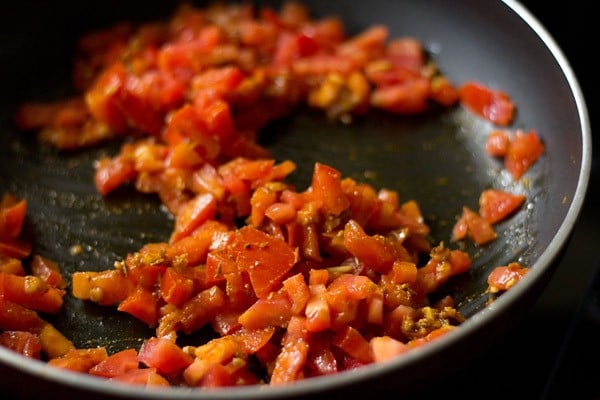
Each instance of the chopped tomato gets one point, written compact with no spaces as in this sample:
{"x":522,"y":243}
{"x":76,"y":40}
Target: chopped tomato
{"x":15,"y":317}
{"x":112,"y":173}
{"x":524,"y":150}
{"x":497,"y":143}
{"x":294,"y":283}
{"x":385,"y":348}
{"x":497,"y":205}
{"x":404,"y":98}
{"x":48,"y":271}
{"x":80,"y":360}
{"x":142,"y":376}
{"x":12,"y":216}
{"x":31,"y":292}
{"x":353,"y":343}
{"x":193,"y":214}
{"x":327,"y":189}
{"x":15,"y":248}
{"x":274,"y":310}
{"x":23,"y":342}
{"x":375,"y":251}
{"x":164,"y":355}
{"x":266,"y":259}
{"x":505,"y":277}
{"x":116,"y":364}
{"x":474,"y":226}
{"x":493,"y":105}
{"x":142,"y":304}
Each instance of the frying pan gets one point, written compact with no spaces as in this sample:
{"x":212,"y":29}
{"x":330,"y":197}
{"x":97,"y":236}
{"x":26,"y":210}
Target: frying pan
{"x":436,"y":159}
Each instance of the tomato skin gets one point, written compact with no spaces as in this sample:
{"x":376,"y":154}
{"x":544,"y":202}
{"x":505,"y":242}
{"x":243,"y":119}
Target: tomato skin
{"x":164,"y":355}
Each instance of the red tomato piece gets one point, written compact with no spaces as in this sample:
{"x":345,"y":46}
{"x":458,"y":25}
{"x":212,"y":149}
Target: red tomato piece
{"x":497,"y":143}
{"x":318,"y":315}
{"x":497,"y":205}
{"x":11,"y":265}
{"x":15,"y":317}
{"x":12,"y":216}
{"x":274,"y":310}
{"x":385,"y":348}
{"x":15,"y":248}
{"x":142,"y":376}
{"x":80,"y":360}
{"x":48,"y":271}
{"x":103,"y":98}
{"x":164,"y":355}
{"x":265,"y":258}
{"x":25,"y":343}
{"x":524,"y":150}
{"x":494,"y":105}
{"x":351,"y":341}
{"x":31,"y":292}
{"x":112,"y":173}
{"x":404,"y":98}
{"x":175,"y":287}
{"x":327,"y":189}
{"x":105,"y":288}
{"x":443,"y":91}
{"x":142,"y":304}
{"x":116,"y":364}
{"x":474,"y":226}
{"x":505,"y":277}
{"x":436,"y":333}
{"x":194,"y":213}
{"x":374,"y":251}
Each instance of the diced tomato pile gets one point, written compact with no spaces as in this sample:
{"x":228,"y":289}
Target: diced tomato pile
{"x":297,"y":283}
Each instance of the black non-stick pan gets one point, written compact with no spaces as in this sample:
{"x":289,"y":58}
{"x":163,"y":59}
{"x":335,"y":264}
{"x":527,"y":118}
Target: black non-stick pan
{"x":436,"y":159}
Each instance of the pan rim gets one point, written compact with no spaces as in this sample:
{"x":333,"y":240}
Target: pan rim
{"x":472,"y":325}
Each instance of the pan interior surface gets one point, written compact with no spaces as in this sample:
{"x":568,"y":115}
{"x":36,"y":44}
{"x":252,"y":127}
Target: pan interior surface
{"x":437,"y":159}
